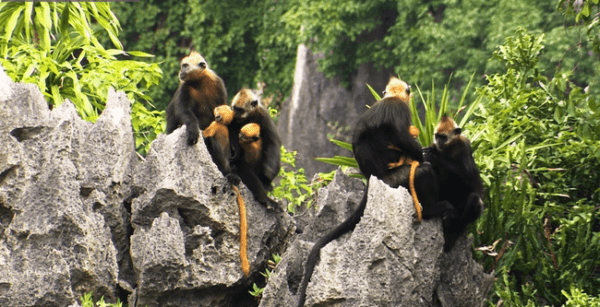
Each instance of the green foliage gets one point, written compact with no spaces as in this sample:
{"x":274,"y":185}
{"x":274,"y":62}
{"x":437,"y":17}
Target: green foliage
{"x":147,"y":125}
{"x":535,"y":141}
{"x":243,"y":41}
{"x":424,"y":40}
{"x":293,"y":185}
{"x":256,"y":290}
{"x":60,"y":52}
{"x":87,"y":301}
{"x":577,"y":298}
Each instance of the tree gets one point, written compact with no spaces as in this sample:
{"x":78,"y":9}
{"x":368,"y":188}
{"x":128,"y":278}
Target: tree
{"x":56,"y":46}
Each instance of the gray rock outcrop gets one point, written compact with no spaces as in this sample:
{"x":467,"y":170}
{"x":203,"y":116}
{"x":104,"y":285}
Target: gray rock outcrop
{"x":388,"y":260}
{"x":80,"y":212}
{"x":186,"y":223}
{"x":59,"y":175}
{"x":319,"y":108}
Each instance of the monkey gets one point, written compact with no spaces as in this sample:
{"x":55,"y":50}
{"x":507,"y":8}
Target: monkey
{"x":247,"y":109}
{"x":217,"y":133}
{"x":200,"y":91}
{"x":251,"y":143}
{"x":383,"y":136}
{"x":216,"y":138}
{"x":451,"y":158}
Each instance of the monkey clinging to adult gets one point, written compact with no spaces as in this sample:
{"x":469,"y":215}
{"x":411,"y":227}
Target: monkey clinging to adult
{"x":200,"y":91}
{"x":452,"y":160}
{"x":382,"y":137}
{"x":257,"y":177}
{"x":216,"y":138}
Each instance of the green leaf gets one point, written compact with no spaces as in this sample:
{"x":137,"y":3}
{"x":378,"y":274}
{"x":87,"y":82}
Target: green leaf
{"x":374,"y":93}
{"x":342,"y":144}
{"x":338,"y":160}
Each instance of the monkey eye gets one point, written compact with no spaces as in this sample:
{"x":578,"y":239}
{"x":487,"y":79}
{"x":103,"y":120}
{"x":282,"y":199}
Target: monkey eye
{"x":202,"y":65}
{"x":254,"y":103}
{"x":408,"y":89}
{"x":185,"y":65}
{"x":383,"y":93}
{"x":457,"y":130}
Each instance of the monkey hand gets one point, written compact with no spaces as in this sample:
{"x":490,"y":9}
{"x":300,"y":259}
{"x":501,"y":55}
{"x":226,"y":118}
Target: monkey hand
{"x":193,"y":135}
{"x":232,"y":178}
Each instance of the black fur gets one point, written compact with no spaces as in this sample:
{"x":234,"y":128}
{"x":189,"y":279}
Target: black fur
{"x":385,"y":123}
{"x":196,"y":115}
{"x":460,"y":185}
{"x":271,"y":153}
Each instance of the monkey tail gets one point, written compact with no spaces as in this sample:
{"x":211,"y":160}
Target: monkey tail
{"x":313,"y":256}
{"x":243,"y":233}
{"x":413,"y":193}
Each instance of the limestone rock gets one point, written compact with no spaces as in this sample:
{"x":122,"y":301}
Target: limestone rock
{"x":388,"y":260}
{"x":185,"y":247}
{"x":55,"y":243}
{"x":319,"y":107}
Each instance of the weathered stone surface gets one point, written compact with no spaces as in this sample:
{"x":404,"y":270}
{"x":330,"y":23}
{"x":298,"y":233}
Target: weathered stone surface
{"x":319,"y":108}
{"x":388,"y":260}
{"x":80,"y":213}
{"x":54,"y":242}
{"x":185,"y":247}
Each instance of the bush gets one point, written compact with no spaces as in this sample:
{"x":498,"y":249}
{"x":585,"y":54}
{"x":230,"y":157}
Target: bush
{"x":536,"y":144}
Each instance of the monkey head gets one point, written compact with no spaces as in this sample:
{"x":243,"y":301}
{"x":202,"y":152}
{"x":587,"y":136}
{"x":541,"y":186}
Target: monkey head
{"x":245,"y":103}
{"x":397,"y":88}
{"x":192,"y":66}
{"x":223,"y":115}
{"x":446,"y":132}
{"x":249,"y":133}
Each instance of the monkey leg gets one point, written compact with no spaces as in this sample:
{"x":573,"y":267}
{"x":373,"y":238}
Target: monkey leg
{"x":251,"y":181}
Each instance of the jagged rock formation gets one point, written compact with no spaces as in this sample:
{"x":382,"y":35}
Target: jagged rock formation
{"x":319,"y":107}
{"x":80,"y":212}
{"x":388,"y":260}
{"x":185,"y":247}
{"x":63,"y":182}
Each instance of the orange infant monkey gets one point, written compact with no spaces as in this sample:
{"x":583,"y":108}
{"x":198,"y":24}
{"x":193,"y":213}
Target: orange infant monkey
{"x":217,"y":133}
{"x":251,"y":143}
{"x":217,"y":141}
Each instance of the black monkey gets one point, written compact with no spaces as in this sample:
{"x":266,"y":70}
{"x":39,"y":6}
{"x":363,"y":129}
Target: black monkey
{"x":199,"y":92}
{"x":460,"y":184}
{"x":383,"y":137}
{"x":247,"y":109}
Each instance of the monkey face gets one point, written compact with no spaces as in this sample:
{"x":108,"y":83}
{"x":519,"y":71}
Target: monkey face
{"x":249,"y":133}
{"x":397,"y":88}
{"x":192,"y":66}
{"x":244,"y":103}
{"x":223,"y":114}
{"x":446,"y":131}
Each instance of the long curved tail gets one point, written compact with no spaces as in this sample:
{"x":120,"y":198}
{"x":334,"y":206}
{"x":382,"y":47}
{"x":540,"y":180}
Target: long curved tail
{"x":243,"y":233}
{"x":413,"y":192}
{"x":338,"y":231}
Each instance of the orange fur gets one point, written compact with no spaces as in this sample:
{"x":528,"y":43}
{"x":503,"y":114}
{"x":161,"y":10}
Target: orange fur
{"x":401,"y":90}
{"x":243,"y":234}
{"x":398,"y":88}
{"x":251,"y":142}
{"x":413,"y":192}
{"x":412,"y":130}
{"x":218,"y":128}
